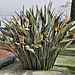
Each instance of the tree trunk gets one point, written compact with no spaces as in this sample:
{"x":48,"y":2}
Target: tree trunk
{"x":73,"y":10}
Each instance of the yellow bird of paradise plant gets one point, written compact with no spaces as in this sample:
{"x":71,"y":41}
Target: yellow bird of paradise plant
{"x":42,"y":36}
{"x":45,"y":25}
{"x":20,"y":39}
{"x":56,"y":29}
{"x":66,"y":18}
{"x":12,"y":19}
{"x":18,"y":17}
{"x":67,"y":32}
{"x":27,"y":25}
{"x":23,"y":26}
{"x":47,"y":36}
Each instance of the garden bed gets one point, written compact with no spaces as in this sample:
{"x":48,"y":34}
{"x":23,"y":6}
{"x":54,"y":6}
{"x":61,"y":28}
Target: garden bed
{"x":6,"y":58}
{"x":65,"y":65}
{"x":4,"y":54}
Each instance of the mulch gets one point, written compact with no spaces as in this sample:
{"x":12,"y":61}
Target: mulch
{"x":4,"y":54}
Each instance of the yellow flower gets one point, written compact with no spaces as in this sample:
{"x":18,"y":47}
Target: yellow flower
{"x":20,"y":39}
{"x":23,"y":26}
{"x":47,"y":36}
{"x":45,"y":25}
{"x":58,"y":26}
{"x":66,"y":16}
{"x":56,"y":29}
{"x":42,"y":36}
{"x":12,"y":19}
{"x":66,"y":20}
{"x":67,"y":32}
{"x":18,"y":17}
{"x":27,"y":25}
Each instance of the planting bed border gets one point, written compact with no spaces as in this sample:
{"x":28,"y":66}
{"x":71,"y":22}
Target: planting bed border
{"x":6,"y":61}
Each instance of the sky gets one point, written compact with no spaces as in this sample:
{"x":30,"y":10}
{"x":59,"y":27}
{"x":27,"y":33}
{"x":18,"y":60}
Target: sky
{"x":7,"y":7}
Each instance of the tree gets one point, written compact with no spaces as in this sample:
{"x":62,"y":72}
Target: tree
{"x":73,"y":10}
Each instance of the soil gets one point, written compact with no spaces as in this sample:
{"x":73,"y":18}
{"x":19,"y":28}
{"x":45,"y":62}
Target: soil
{"x":4,"y":54}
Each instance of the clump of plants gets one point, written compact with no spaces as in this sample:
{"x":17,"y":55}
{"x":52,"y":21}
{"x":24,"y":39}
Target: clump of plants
{"x":36,"y":40}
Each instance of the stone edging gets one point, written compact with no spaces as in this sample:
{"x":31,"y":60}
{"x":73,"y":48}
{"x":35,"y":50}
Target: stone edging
{"x":6,"y":61}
